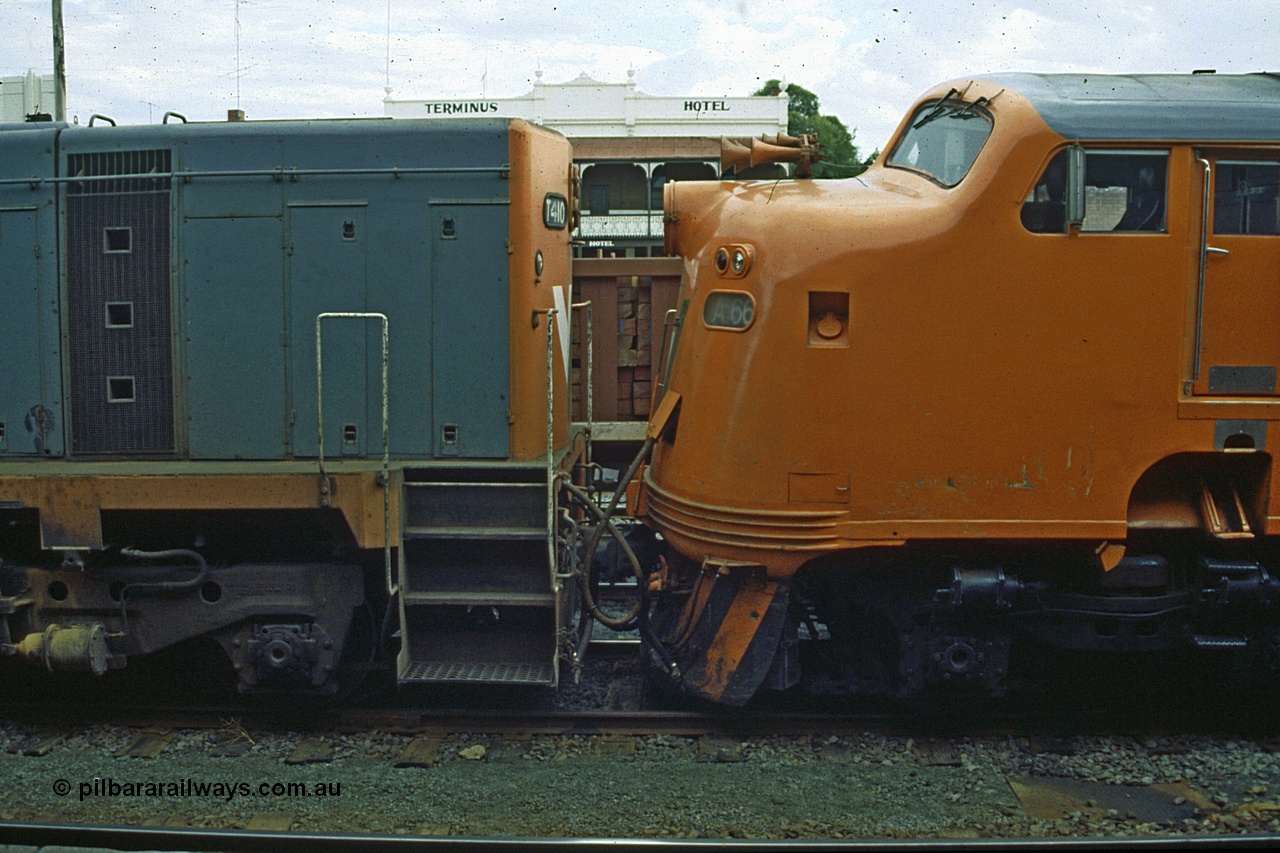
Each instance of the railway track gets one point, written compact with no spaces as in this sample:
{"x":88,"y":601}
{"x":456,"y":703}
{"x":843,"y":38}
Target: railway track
{"x":522,"y":723}
{"x":466,"y":768}
{"x":244,"y":841}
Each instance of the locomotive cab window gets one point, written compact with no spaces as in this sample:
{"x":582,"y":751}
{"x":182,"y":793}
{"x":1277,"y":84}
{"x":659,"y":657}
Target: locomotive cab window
{"x":1246,"y":198}
{"x":1121,"y":191}
{"x":942,"y":141}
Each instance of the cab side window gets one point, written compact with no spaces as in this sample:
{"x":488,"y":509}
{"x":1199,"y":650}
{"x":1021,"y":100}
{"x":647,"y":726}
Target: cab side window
{"x":1124,"y":191}
{"x":1246,"y":198}
{"x":1045,"y":210}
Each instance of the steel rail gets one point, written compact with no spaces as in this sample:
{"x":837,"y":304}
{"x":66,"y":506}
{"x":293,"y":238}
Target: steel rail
{"x":244,"y":841}
{"x":541,"y":721}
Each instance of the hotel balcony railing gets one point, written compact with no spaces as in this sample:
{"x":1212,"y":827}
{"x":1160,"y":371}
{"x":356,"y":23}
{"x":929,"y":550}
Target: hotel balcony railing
{"x":630,"y":223}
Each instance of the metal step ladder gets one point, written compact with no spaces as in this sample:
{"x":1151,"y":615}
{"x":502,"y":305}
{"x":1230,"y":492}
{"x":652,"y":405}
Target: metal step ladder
{"x":478,"y":593}
{"x":1223,"y":510}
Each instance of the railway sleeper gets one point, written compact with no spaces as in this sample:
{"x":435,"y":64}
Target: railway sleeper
{"x":281,"y":625}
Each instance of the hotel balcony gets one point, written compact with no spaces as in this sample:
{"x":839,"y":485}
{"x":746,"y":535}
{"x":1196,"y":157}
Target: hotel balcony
{"x":620,"y":224}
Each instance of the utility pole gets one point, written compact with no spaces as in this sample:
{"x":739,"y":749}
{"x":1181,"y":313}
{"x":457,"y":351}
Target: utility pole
{"x":59,"y":65}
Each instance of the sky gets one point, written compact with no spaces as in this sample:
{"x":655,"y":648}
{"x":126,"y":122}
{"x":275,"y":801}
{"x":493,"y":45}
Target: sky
{"x":866,"y":60}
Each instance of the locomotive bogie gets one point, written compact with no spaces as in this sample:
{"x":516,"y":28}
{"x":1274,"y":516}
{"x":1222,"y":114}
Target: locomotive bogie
{"x":280,"y":625}
{"x":1033,"y":332}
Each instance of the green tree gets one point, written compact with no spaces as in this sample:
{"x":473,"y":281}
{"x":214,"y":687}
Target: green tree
{"x":804,"y":115}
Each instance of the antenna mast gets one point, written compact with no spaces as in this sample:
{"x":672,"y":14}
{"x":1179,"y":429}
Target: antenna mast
{"x":237,"y":2}
{"x":59,"y":65}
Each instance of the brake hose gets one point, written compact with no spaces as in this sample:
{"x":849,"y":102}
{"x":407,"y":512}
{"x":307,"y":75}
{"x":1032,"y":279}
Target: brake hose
{"x":160,"y":586}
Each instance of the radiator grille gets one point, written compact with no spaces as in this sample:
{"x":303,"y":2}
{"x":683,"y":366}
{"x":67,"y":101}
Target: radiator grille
{"x":118,"y":294}
{"x":112,"y":172}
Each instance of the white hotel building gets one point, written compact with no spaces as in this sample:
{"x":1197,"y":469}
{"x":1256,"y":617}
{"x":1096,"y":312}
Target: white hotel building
{"x":627,"y":145}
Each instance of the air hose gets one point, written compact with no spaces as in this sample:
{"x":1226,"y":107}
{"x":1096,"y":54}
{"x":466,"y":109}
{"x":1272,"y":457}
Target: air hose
{"x":584,"y":578}
{"x":638,"y":614}
{"x":160,"y":586}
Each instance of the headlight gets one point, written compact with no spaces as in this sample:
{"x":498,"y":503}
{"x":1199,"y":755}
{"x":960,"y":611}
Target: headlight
{"x":734,"y":261}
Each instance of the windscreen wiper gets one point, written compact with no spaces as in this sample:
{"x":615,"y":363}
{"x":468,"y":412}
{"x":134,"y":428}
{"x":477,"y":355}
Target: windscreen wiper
{"x":947,"y":106}
{"x":984,"y":101}
{"x":936,"y":111}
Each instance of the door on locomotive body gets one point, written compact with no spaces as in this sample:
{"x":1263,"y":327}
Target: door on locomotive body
{"x":469,"y":330}
{"x":327,"y":274}
{"x":234,"y":315}
{"x":30,"y":401}
{"x":1239,"y":305}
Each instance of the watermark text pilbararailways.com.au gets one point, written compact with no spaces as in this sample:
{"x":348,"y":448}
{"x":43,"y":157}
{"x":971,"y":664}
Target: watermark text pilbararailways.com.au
{"x":225,"y":790}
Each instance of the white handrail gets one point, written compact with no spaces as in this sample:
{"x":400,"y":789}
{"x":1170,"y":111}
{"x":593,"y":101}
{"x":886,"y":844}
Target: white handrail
{"x":591,"y":380}
{"x":551,"y":428}
{"x":392,"y":587}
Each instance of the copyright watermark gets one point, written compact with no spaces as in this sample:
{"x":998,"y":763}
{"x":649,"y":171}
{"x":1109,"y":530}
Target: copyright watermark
{"x":228,"y":790}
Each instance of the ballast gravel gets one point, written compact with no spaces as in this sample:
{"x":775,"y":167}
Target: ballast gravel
{"x":859,"y":785}
{"x":871,"y":785}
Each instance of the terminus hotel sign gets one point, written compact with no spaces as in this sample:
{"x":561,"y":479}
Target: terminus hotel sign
{"x":587,"y":108}
{"x":459,"y":108}
{"x":456,"y":108}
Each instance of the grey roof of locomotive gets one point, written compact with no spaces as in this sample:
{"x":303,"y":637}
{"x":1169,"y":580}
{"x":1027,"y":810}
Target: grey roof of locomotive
{"x":1166,"y":107}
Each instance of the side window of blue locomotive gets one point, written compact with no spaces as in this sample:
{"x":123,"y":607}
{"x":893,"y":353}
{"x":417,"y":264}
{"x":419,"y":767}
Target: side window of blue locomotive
{"x":942,"y":141}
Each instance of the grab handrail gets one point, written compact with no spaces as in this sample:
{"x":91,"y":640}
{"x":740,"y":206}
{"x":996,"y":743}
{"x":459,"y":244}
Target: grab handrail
{"x":325,"y":494}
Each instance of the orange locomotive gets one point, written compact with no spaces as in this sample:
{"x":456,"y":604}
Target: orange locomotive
{"x":1011,"y":388}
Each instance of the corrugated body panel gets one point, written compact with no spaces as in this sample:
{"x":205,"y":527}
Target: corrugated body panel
{"x":118,"y":296}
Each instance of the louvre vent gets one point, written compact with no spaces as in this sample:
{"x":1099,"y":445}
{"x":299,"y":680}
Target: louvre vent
{"x":112,"y":172}
{"x":118,"y":256}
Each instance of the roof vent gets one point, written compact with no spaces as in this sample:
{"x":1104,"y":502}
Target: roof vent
{"x":1205,"y":71}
